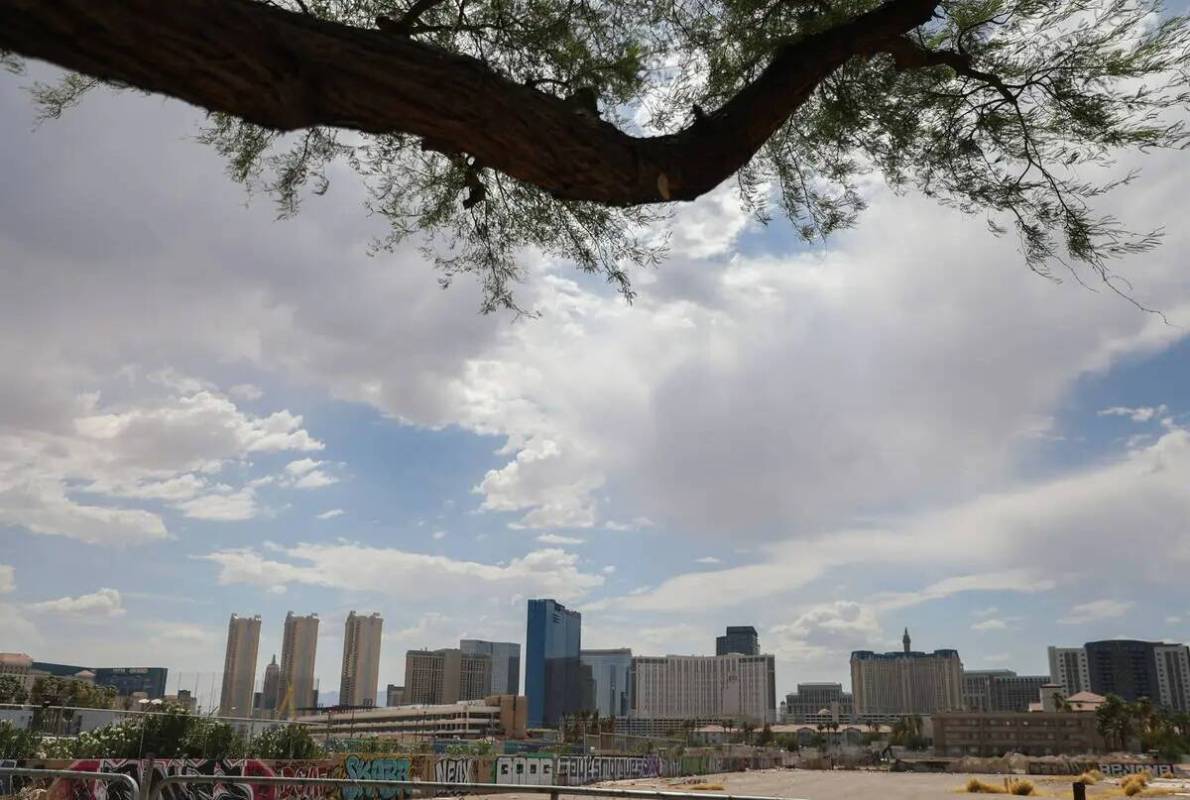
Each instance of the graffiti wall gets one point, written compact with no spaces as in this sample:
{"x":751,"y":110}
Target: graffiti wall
{"x":1108,"y":768}
{"x":577,"y":770}
{"x":455,"y":770}
{"x":524,"y":769}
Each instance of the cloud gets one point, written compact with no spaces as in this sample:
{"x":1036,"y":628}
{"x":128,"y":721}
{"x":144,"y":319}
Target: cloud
{"x":827,"y":632}
{"x":103,"y":604}
{"x":403,"y":574}
{"x":303,"y":473}
{"x":1095,"y":611}
{"x":601,"y":411}
{"x":245,"y":391}
{"x":707,"y":560}
{"x":1023,"y":580}
{"x":841,"y":411}
{"x":88,"y":474}
{"x":331,"y":514}
{"x":1079,"y":512}
{"x":315,"y":480}
{"x":8,"y":579}
{"x":301,"y":466}
{"x":41,"y":505}
{"x":229,"y":507}
{"x":609,"y":569}
{"x":438,"y":535}
{"x":992,"y":624}
{"x":554,"y":538}
{"x":1141,"y":414}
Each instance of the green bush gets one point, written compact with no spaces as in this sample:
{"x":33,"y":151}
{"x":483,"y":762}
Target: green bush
{"x":289,"y":741}
{"x":17,"y":743}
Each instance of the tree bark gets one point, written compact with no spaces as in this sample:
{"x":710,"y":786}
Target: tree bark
{"x":288,"y":71}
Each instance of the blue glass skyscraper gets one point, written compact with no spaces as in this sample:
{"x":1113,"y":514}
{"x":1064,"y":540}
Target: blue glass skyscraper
{"x":553,"y":672}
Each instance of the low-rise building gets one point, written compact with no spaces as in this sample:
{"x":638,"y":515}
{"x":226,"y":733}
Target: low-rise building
{"x":498,"y":715}
{"x":17,"y":665}
{"x":819,"y":702}
{"x":1039,"y":733}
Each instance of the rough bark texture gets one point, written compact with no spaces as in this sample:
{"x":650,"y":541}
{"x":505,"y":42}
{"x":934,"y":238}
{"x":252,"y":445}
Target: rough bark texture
{"x":287,"y":71}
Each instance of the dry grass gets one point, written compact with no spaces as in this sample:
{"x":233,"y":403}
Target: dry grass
{"x":976,"y":786}
{"x":1090,"y":777}
{"x":1135,"y":784}
{"x":706,"y":787}
{"x":1021,"y":787}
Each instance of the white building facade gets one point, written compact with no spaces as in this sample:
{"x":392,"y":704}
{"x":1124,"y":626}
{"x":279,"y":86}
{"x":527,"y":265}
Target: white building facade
{"x":733,"y":686}
{"x":1068,"y":668}
{"x":1173,"y":676}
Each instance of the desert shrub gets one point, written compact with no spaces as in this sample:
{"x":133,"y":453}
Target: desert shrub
{"x":1021,"y":787}
{"x":976,"y":786}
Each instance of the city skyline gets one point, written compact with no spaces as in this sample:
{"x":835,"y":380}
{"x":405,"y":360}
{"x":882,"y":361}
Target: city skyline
{"x":208,"y":410}
{"x":1167,"y":678}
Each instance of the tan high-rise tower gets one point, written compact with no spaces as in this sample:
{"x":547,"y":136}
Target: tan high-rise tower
{"x":239,"y":666}
{"x":361,"y":660}
{"x":295,"y":687}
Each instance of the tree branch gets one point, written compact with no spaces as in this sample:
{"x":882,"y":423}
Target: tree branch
{"x":286,"y":71}
{"x":404,"y":26}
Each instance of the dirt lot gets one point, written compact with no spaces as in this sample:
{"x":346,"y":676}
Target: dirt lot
{"x":821,"y":785}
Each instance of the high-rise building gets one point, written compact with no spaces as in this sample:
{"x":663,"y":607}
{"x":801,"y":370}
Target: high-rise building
{"x":1173,"y":676}
{"x":740,"y":639}
{"x":299,"y":645}
{"x":1068,"y":668}
{"x":1000,"y":690}
{"x":506,"y":663}
{"x":361,"y":660}
{"x":270,"y":685}
{"x":731,"y":686}
{"x":239,"y":666}
{"x":611,"y":674}
{"x":908,"y":682}
{"x":819,"y":702}
{"x":553,"y":674}
{"x":441,"y":677}
{"x":1124,"y":667}
{"x":394,"y":695}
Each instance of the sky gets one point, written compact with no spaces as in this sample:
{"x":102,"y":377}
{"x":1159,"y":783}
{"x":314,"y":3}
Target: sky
{"x":207,"y":411}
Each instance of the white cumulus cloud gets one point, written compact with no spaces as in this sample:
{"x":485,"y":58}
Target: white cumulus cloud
{"x":1096,"y":610}
{"x":103,"y":604}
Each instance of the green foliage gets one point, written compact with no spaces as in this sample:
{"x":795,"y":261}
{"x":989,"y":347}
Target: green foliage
{"x":479,"y":748}
{"x":1012,"y":109}
{"x":54,"y":691}
{"x":288,"y":741}
{"x":788,"y":742}
{"x":1123,"y":724}
{"x":12,"y":690}
{"x":174,"y":733}
{"x":17,"y":743}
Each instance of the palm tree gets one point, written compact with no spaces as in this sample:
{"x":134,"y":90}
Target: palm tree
{"x":1145,"y":719}
{"x":1114,"y":721}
